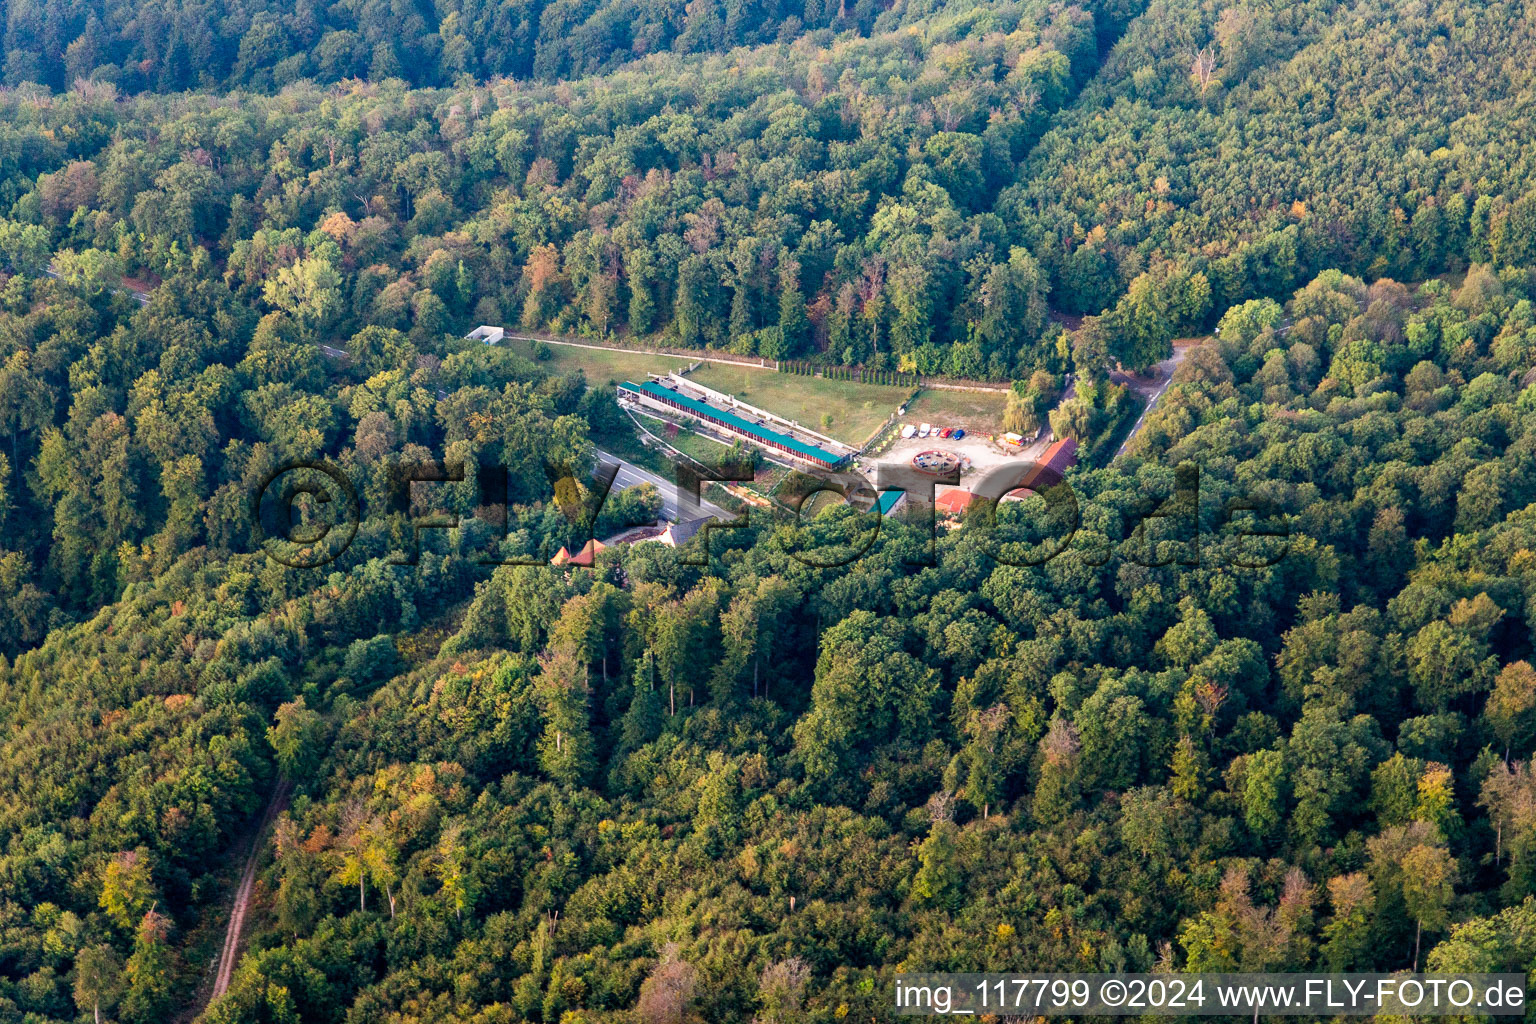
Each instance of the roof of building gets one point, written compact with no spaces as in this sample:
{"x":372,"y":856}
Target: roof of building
{"x":889,"y":500}
{"x":486,"y":333}
{"x":636,"y":534}
{"x":680,"y":533}
{"x":1061,"y":455}
{"x":955,"y":500}
{"x":1057,"y":459}
{"x":730,"y":419}
{"x":586,"y":557}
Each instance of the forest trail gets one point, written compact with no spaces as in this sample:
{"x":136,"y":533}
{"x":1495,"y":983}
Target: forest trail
{"x":232,"y":935}
{"x":139,"y":294}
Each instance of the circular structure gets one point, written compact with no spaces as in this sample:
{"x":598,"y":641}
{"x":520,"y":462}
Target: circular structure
{"x":936,"y":461}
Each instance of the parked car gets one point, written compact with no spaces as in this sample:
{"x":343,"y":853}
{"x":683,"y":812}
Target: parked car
{"x":908,"y":430}
{"x":959,"y":433}
{"x":945,"y":432}
{"x":924,"y":430}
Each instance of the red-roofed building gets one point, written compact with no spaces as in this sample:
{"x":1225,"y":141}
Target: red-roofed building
{"x":954,"y":501}
{"x":584,"y":558}
{"x":1053,"y":465}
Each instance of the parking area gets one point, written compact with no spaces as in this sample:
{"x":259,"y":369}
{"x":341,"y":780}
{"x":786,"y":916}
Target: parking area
{"x":979,"y":454}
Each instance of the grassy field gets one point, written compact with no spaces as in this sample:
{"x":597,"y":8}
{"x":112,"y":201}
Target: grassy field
{"x":708,"y":451}
{"x":846,"y":410}
{"x":603,"y":366}
{"x":977,"y":411}
{"x":854,"y":409}
{"x":704,"y":449}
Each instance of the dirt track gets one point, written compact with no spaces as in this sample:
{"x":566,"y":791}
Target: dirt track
{"x":232,"y":935}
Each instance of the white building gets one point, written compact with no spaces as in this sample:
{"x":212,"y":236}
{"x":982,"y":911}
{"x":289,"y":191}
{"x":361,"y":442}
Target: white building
{"x":488,"y":334}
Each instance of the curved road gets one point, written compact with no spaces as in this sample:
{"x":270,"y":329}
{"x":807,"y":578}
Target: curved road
{"x":1151,"y":390}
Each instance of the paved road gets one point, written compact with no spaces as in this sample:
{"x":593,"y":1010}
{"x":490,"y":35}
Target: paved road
{"x":629,"y":475}
{"x":1151,"y":391}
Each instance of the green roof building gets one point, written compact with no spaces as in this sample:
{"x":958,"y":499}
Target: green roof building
{"x":732,"y":423}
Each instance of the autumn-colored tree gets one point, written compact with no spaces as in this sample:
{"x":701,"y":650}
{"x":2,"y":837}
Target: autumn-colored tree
{"x":127,"y":890}
{"x":668,"y":992}
{"x":1511,"y":707}
{"x":150,"y":970}
{"x":309,"y":290}
{"x":1346,"y":937}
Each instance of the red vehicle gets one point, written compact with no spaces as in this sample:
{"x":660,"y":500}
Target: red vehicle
{"x":946,"y":432}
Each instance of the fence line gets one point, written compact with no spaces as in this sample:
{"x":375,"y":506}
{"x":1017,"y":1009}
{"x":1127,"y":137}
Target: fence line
{"x":800,"y":367}
{"x":854,"y":374}
{"x":753,"y":362}
{"x":939,"y":385}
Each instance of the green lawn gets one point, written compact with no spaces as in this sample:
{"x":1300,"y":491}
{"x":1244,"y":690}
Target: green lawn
{"x":977,"y":411}
{"x":603,"y":366}
{"x":854,"y":409}
{"x":710,"y":453}
{"x":697,"y":446}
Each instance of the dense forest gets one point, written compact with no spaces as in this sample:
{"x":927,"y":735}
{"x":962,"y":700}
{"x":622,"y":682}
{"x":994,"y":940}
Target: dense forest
{"x":749,"y":787}
{"x":172,"y":47}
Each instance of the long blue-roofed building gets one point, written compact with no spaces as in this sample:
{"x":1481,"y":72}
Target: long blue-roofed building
{"x":667,"y":396}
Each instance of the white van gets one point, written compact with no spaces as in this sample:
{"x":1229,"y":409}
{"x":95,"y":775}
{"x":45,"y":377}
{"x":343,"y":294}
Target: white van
{"x":907,"y":431}
{"x":924,"y":430}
